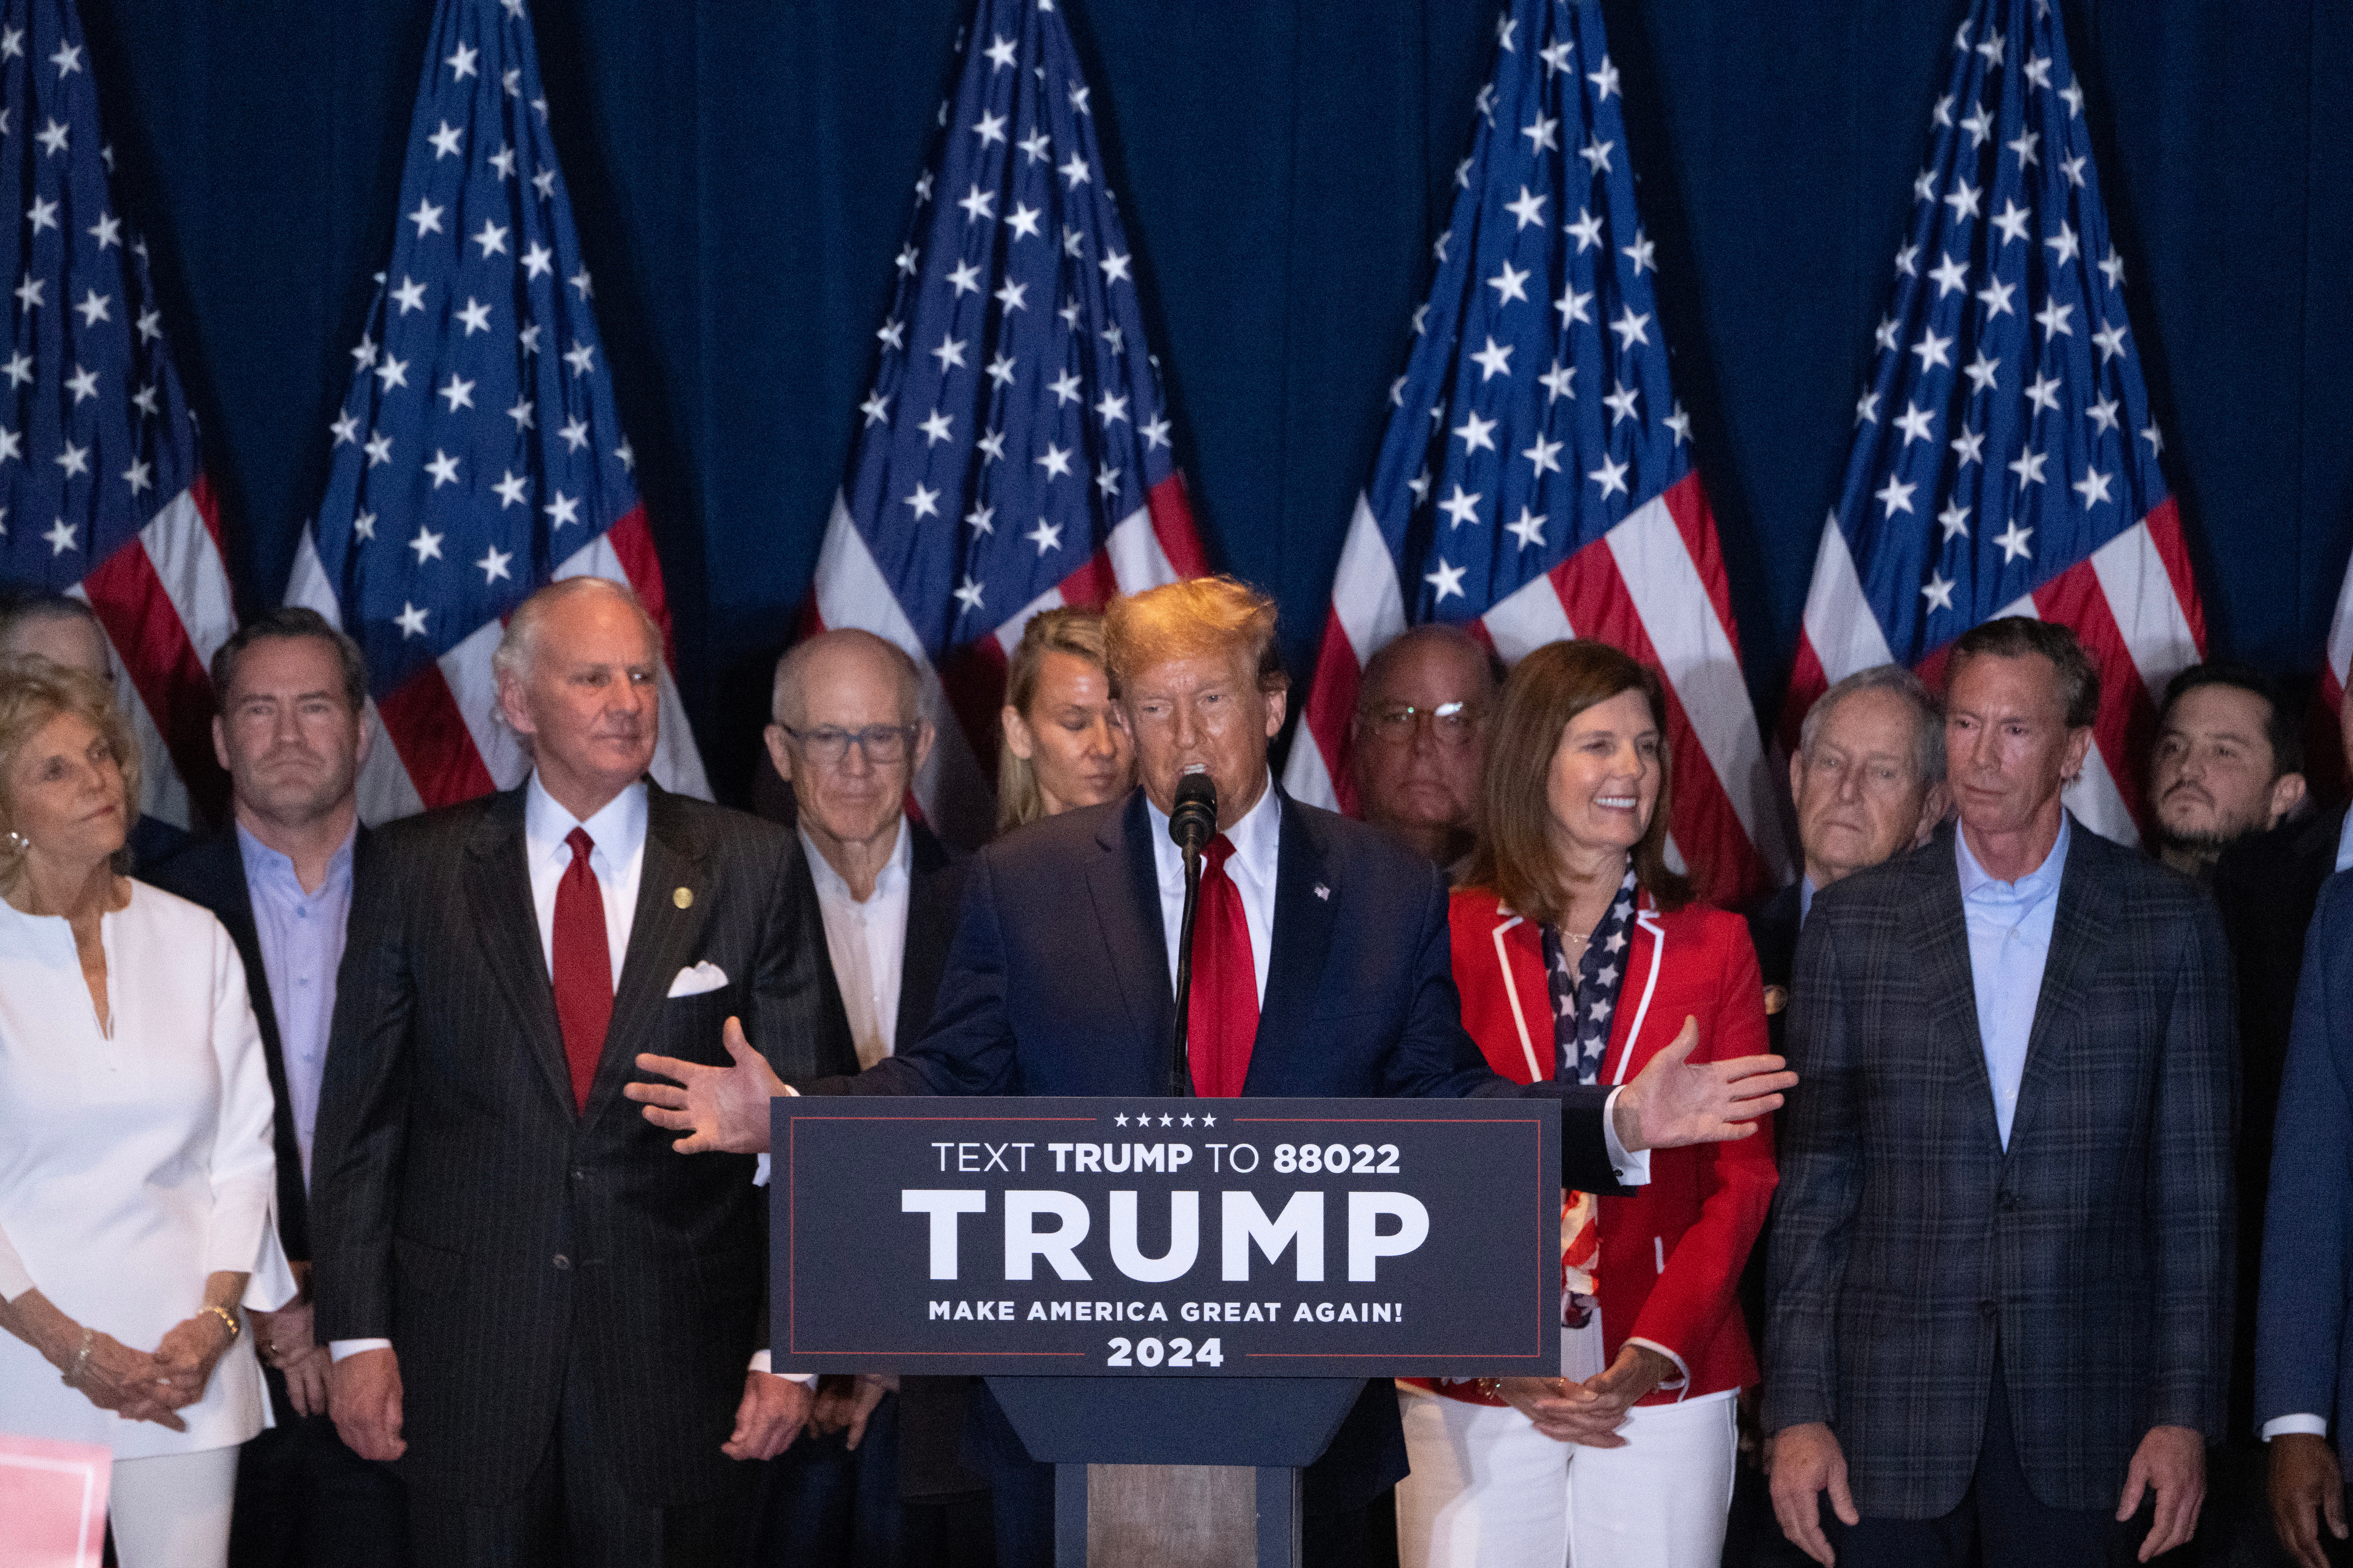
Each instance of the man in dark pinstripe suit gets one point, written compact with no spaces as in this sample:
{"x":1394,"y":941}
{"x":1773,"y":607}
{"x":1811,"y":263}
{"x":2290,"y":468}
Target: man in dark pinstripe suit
{"x":2000,"y":1312}
{"x":548,"y":1317}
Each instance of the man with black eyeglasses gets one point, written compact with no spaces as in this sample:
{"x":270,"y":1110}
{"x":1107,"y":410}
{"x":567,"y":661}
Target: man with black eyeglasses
{"x":1416,"y":744}
{"x":848,"y":736}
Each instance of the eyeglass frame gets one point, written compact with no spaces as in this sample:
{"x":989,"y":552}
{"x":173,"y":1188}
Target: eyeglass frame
{"x":1380,"y":723}
{"x":813,"y":742}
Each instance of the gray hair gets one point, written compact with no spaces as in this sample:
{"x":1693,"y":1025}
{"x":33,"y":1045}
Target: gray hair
{"x":520,"y":644}
{"x":1928,"y":735}
{"x":791,"y":671}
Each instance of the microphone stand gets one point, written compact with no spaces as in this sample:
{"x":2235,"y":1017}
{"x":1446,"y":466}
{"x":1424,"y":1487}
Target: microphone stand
{"x":1180,"y":1065}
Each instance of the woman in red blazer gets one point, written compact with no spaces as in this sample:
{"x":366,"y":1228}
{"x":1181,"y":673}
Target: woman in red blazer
{"x":1579,"y":952}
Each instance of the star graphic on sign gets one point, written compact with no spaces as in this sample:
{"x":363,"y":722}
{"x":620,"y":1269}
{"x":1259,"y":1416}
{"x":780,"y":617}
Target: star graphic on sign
{"x":925,"y":501}
{"x":1621,"y":402}
{"x":379,"y":449}
{"x":562,"y":510}
{"x":970,"y":593}
{"x":2043,"y":393}
{"x":522,"y":415}
{"x":411,"y":620}
{"x":460,"y":394}
{"x":83,"y":384}
{"x":62,"y":538}
{"x":1528,"y":209}
{"x":503,"y":161}
{"x":1544,"y":455}
{"x":1955,"y":520}
{"x":1510,"y":284}
{"x":1913,"y":422}
{"x":409,"y":296}
{"x":1559,"y":382}
{"x":475,"y":317}
{"x":1950,"y":276}
{"x":1446,"y":580}
{"x":2028,"y":467}
{"x":581,"y":357}
{"x":443,"y":467}
{"x":1572,"y":305}
{"x":1596,"y":154}
{"x":1931,"y":349}
{"x":1108,"y":408}
{"x":939,"y":427}
{"x":1641,"y":253}
{"x":428,"y":218}
{"x":1460,"y":506}
{"x":1971,"y":447}
{"x":1938,"y":591}
{"x":1610,"y":476}
{"x":1894,"y":496}
{"x":510,"y":491}
{"x":536,"y":260}
{"x":1075,"y":171}
{"x":1631,"y":329}
{"x":446,"y":141}
{"x":1527,"y":528}
{"x":575,"y":433}
{"x":1208,"y":1121}
{"x":1475,"y":432}
{"x":2013,"y":542}
{"x":1585,"y":230}
{"x":1494,"y":359}
{"x":1166,"y":1120}
{"x":139,"y":476}
{"x":493,"y":240}
{"x":1056,"y":461}
{"x":1186,"y":1121}
{"x":2102,"y":414}
{"x":1119,"y":1120}
{"x":428,"y":545}
{"x":2093,"y":486}
{"x":2111,"y":339}
{"x":1045,"y":536}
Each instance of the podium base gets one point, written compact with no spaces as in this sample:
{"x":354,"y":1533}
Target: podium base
{"x":1175,"y":1516}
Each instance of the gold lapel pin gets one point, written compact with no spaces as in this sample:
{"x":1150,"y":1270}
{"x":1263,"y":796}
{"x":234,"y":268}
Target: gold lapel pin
{"x":683,"y":898}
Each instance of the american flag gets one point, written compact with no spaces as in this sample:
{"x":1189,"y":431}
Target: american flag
{"x":104,"y":496}
{"x":1535,"y":482}
{"x":1013,"y":453}
{"x":2005,"y":455}
{"x":477,"y":453}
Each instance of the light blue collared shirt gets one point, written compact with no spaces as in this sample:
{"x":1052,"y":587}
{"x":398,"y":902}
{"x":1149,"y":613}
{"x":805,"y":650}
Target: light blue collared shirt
{"x":301,"y":940}
{"x":2344,"y":843}
{"x":2010,"y":941}
{"x":1805,"y":900}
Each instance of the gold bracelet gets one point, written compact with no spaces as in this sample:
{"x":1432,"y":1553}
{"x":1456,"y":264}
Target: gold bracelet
{"x":226,"y":1316}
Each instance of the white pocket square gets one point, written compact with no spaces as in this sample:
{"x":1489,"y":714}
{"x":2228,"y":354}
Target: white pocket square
{"x":704,"y":976}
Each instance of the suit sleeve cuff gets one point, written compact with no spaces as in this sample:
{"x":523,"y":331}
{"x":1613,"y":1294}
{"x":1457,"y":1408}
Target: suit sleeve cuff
{"x":1680,"y":1382}
{"x":338,"y":1349}
{"x":2281,"y":1426}
{"x":1633,"y":1169}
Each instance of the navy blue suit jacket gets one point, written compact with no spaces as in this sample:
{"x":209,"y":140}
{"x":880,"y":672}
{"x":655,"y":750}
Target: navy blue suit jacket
{"x":1058,"y":985}
{"x":2304,"y":1335}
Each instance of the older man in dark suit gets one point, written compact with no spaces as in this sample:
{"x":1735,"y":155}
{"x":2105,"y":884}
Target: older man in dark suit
{"x":527,"y":1294}
{"x":2001,"y":1282}
{"x":1321,"y":967}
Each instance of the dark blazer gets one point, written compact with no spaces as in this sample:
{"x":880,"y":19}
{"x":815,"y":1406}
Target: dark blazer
{"x":461,"y":1207}
{"x":2303,"y":1333}
{"x":1907,"y":1243}
{"x":1058,"y":985}
{"x":1773,"y":929}
{"x":211,"y":872}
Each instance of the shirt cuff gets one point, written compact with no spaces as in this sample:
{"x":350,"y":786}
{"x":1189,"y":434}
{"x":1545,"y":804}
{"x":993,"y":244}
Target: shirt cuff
{"x":1632,"y":1169}
{"x":2281,"y":1426}
{"x":338,"y":1349}
{"x":761,"y":1170}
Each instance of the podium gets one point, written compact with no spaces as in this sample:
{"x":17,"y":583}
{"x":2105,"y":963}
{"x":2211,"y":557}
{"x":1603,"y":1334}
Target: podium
{"x":1150,"y":1282}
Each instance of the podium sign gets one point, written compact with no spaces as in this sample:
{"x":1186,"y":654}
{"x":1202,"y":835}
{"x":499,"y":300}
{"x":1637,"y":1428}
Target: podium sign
{"x":1167,"y":1238}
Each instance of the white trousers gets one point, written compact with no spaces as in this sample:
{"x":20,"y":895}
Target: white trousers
{"x":173,"y":1510}
{"x":1488,"y":1489}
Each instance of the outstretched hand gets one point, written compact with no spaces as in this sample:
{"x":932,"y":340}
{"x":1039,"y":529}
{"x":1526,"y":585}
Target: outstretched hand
{"x":721,"y":1110}
{"x":1673,"y":1101}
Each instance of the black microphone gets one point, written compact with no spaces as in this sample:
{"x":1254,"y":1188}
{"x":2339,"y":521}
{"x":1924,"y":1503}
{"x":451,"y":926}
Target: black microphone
{"x":1192,"y":820}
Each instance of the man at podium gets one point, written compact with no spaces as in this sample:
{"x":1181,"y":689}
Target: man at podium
{"x":1321,"y":967}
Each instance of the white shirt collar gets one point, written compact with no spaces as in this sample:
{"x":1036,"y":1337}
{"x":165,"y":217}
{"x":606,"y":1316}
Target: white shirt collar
{"x":617,"y":830}
{"x":1257,"y":839}
{"x":830,"y":884}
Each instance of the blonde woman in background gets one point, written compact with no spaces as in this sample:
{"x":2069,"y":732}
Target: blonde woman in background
{"x":1066,"y":744}
{"x":136,"y":1170}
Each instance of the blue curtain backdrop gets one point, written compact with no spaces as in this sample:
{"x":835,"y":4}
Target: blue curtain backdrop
{"x":742,"y":176}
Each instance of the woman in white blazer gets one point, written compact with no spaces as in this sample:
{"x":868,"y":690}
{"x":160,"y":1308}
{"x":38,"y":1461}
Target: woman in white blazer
{"x":136,"y":1170}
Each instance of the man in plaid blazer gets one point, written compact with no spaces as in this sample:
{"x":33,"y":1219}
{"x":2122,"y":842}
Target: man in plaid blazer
{"x":1999,"y":1307}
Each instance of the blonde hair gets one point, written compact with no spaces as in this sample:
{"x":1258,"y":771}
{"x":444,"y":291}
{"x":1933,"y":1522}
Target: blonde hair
{"x":1199,"y":617}
{"x":1072,"y":630}
{"x":34,"y":691}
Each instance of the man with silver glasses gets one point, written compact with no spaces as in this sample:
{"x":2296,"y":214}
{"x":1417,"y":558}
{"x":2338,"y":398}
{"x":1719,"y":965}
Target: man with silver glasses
{"x":1415,"y":745}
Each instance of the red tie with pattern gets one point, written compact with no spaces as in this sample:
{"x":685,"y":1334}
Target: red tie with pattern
{"x":1222,"y":1024}
{"x":584,"y":966}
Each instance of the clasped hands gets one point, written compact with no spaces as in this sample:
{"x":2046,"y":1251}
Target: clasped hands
{"x":1588,"y":1413}
{"x":1670,"y":1102}
{"x":138,"y":1385}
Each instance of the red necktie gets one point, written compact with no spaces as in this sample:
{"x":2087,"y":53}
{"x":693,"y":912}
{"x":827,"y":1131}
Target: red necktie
{"x":1222,"y":1024}
{"x":584,"y":966}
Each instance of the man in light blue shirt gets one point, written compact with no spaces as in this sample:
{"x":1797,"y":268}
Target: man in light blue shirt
{"x":2009,"y":939}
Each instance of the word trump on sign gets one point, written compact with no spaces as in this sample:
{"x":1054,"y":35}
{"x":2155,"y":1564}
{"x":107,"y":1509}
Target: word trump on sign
{"x":1319,"y":1237}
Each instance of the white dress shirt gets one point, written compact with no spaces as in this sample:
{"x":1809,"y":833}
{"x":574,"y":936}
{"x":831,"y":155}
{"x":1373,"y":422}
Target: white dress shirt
{"x":866,"y":939}
{"x":619,"y":832}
